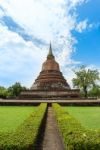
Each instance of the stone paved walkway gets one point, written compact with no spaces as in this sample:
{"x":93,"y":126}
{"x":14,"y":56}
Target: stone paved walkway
{"x":52,"y":140}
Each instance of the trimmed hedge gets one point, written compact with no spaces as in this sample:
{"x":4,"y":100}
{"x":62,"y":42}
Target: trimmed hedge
{"x":25,"y":136}
{"x":75,"y":137}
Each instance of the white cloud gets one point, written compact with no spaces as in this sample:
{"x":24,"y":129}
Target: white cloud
{"x":83,"y":25}
{"x":1,"y":13}
{"x":46,"y":20}
{"x":77,"y":2}
{"x":18,"y":58}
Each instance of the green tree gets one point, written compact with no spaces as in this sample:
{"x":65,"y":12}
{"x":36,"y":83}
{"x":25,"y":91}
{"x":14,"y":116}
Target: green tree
{"x":95,"y":91}
{"x":3,"y":92}
{"x":85,"y":79}
{"x":15,"y":90}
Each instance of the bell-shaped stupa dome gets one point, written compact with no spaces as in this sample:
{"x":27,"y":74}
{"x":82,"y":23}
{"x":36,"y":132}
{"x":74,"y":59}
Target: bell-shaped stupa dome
{"x":50,"y":63}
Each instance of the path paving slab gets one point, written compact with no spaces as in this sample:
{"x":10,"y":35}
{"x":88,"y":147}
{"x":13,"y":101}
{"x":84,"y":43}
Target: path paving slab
{"x":52,"y":139}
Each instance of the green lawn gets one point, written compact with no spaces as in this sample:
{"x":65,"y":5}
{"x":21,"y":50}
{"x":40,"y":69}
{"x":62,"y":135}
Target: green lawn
{"x":88,"y":116}
{"x":12,"y":116}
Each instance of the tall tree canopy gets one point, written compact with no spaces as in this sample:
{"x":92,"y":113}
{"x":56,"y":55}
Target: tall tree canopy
{"x":85,"y":79}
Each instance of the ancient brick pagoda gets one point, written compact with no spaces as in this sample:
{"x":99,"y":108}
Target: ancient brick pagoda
{"x":50,"y":83}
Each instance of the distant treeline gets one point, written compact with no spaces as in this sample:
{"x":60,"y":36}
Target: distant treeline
{"x":12,"y":91}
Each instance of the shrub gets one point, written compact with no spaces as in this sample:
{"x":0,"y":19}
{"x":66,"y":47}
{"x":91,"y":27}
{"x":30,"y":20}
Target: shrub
{"x":75,"y":137}
{"x":24,"y":138}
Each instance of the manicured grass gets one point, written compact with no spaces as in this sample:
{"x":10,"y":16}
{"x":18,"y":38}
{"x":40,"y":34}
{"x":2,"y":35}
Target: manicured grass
{"x":12,"y":116}
{"x":89,"y":117}
{"x":27,"y":134}
{"x":74,"y":135}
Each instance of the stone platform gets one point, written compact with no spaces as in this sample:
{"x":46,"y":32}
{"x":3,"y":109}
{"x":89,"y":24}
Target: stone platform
{"x":63,"y":102}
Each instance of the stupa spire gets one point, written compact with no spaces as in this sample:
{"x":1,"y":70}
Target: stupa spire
{"x":50,"y":54}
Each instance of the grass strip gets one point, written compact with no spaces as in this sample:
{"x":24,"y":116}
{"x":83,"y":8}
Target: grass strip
{"x":88,"y":116}
{"x":12,"y":116}
{"x":24,"y":138}
{"x":75,"y":136}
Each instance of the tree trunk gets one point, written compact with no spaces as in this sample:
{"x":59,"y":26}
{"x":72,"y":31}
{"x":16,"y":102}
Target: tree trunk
{"x":85,"y":92}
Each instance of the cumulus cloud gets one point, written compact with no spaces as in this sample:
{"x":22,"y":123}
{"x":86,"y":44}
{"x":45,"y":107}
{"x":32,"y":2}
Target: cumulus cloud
{"x":18,"y":59}
{"x":41,"y":19}
{"x":77,"y":2}
{"x":83,"y":25}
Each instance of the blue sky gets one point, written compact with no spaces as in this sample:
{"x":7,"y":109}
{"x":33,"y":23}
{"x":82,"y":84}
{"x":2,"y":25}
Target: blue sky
{"x":88,"y":47}
{"x":28,"y":26}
